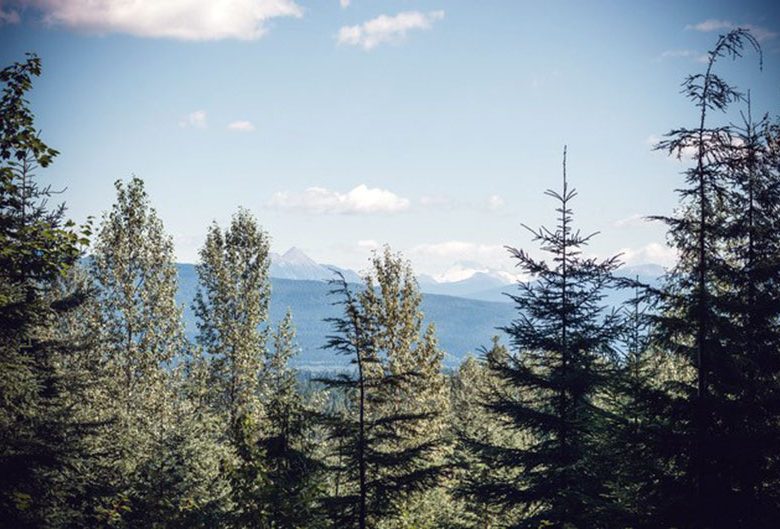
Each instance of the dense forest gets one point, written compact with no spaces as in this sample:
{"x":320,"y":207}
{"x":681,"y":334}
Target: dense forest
{"x":661,"y":413}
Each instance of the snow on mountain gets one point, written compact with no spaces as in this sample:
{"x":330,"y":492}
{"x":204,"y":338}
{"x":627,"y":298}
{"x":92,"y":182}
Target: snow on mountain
{"x":295,"y":264}
{"x":466,"y":278}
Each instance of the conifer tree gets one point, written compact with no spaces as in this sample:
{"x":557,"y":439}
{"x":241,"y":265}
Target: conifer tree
{"x":350,"y":498}
{"x":475,"y":426}
{"x":561,"y":336}
{"x":389,"y":442}
{"x":692,"y":322}
{"x":231,"y":304}
{"x":635,"y":399}
{"x":412,"y":403}
{"x":41,"y":437}
{"x":293,"y":473}
{"x":747,"y":384}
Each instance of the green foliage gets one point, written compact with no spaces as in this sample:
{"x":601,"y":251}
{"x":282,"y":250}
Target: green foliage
{"x":231,"y":304}
{"x":563,"y":337}
{"x":293,"y":473}
{"x":41,"y":436}
{"x":388,"y":440}
{"x":718,"y":313}
{"x":662,"y":414}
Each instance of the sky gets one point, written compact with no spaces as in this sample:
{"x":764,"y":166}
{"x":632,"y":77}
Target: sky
{"x":431,"y":126}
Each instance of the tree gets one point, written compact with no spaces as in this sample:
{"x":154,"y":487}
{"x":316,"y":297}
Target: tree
{"x":292,"y":471}
{"x":389,"y":441}
{"x":550,"y":384}
{"x":40,"y":435}
{"x":475,"y":426}
{"x":231,"y":304}
{"x":410,"y":407}
{"x":747,"y":383}
{"x":140,"y":328}
{"x":347,"y":504}
{"x":692,"y":323}
{"x":636,"y":401}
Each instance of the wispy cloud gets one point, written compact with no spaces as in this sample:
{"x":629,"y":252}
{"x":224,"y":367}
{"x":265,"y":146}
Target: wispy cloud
{"x":684,"y":54}
{"x":344,"y":3}
{"x":9,"y":17}
{"x":241,"y":126}
{"x":761,"y":33}
{"x":195,"y":120}
{"x":637,"y":220}
{"x":436,"y":202}
{"x":180,"y":19}
{"x":387,"y":29}
{"x":360,"y":200}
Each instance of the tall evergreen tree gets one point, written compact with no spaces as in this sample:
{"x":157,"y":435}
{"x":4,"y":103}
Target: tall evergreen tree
{"x":747,"y":385}
{"x":41,"y":437}
{"x":293,"y":473}
{"x":348,"y":503}
{"x":635,"y":399}
{"x":412,"y":403}
{"x":692,"y":322}
{"x":231,"y":304}
{"x":387,"y":440}
{"x":475,"y":426}
{"x":562,"y":335}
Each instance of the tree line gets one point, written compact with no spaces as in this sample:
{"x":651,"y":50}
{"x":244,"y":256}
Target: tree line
{"x":661,"y":413}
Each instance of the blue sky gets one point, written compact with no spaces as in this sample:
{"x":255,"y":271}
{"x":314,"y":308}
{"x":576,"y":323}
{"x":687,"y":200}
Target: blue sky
{"x":433,"y":126}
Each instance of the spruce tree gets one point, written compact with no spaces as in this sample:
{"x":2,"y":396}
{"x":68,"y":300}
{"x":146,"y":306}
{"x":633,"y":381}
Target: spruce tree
{"x":747,"y":385}
{"x":474,"y":426}
{"x":42,"y":438}
{"x":561,"y":337}
{"x":635,"y":399}
{"x":292,"y":471}
{"x":350,"y":497}
{"x":694,"y":320}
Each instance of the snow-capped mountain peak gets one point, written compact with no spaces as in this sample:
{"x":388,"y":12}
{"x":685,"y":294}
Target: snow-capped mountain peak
{"x":295,"y":256}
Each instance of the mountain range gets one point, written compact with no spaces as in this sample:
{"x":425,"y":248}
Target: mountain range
{"x":467,"y":312}
{"x":465,"y":279}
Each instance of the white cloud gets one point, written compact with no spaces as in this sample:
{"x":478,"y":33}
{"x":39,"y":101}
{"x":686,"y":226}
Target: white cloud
{"x":344,"y":3}
{"x":370,"y":244}
{"x":386,"y":28}
{"x":655,"y":253}
{"x":495,"y":202}
{"x":176,"y":19}
{"x":360,"y":200}
{"x":761,"y":33}
{"x":9,"y":17}
{"x":195,"y":119}
{"x":710,"y":25}
{"x":684,"y":54}
{"x":636,"y":220}
{"x":241,"y":126}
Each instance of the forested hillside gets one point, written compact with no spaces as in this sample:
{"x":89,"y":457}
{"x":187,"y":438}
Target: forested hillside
{"x":136,"y":392}
{"x":463,"y":325}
